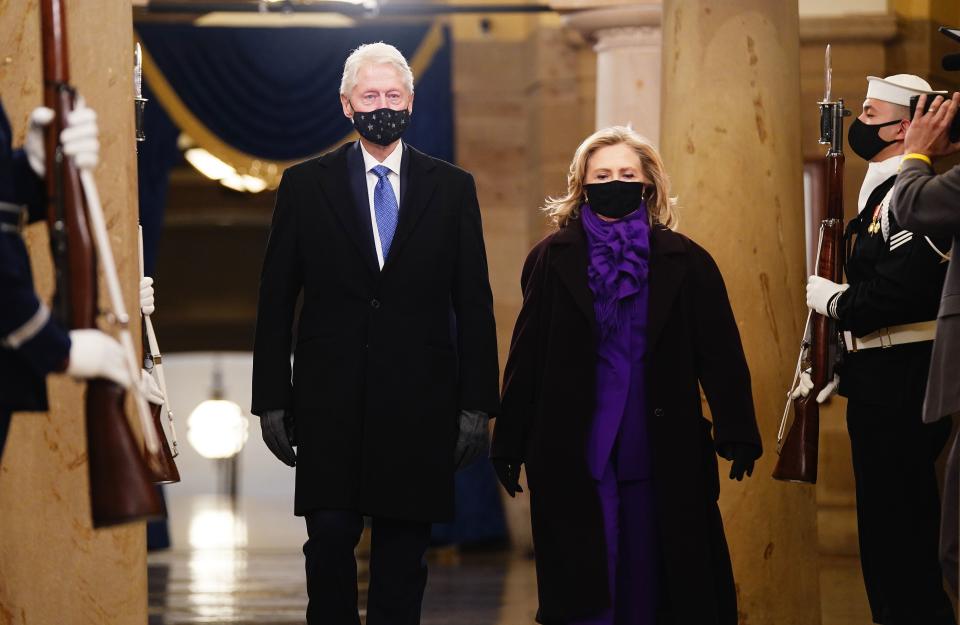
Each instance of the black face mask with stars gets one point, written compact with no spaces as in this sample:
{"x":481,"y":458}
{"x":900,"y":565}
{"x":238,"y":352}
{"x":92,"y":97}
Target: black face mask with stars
{"x":383,"y":126}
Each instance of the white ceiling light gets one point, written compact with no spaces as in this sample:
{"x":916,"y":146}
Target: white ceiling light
{"x":215,"y":169}
{"x":208,"y":164}
{"x":217,"y":428}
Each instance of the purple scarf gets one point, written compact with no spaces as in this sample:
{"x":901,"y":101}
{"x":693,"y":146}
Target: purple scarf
{"x":619,"y":252}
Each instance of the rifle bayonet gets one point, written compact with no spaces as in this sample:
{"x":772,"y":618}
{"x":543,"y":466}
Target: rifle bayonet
{"x":139,"y":101}
{"x":832,"y":111}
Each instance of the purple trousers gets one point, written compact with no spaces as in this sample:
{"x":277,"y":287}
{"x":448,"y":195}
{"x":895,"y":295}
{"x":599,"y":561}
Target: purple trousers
{"x":632,"y":558}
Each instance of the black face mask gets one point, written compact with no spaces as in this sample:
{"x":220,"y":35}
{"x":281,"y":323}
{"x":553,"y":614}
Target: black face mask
{"x":615,"y":199}
{"x":383,"y":126}
{"x":864,"y":139}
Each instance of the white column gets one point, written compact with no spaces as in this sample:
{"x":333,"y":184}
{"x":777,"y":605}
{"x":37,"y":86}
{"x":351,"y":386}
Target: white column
{"x":628,"y":45}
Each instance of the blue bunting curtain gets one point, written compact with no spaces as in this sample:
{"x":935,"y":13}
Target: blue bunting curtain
{"x":263,"y":98}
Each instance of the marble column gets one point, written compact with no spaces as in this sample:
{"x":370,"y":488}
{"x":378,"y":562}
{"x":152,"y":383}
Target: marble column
{"x":54,"y":567}
{"x":627,"y":40}
{"x":731,"y":143}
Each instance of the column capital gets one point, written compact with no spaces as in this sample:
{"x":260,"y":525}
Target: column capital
{"x":639,"y":19}
{"x":626,"y":37}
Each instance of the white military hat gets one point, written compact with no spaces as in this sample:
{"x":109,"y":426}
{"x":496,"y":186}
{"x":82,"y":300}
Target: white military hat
{"x":898,"y":89}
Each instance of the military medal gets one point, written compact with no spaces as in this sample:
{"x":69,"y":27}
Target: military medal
{"x":874,"y":226}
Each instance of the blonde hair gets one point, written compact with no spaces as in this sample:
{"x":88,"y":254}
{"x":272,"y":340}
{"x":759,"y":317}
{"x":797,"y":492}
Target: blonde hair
{"x":374,"y":54}
{"x":662,"y":207}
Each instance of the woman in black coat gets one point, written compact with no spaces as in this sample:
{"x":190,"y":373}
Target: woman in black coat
{"x":623,"y":320}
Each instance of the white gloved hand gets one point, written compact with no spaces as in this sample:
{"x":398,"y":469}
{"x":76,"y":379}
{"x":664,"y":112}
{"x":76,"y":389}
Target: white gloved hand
{"x":33,"y":143}
{"x":820,"y":292}
{"x":805,"y":385}
{"x":146,"y":296}
{"x":79,"y":137}
{"x":829,"y":390}
{"x":151,"y":392}
{"x":94,"y":354}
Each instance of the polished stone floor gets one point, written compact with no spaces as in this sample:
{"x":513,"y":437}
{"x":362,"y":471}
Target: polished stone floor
{"x":240,"y":563}
{"x":265,"y":587}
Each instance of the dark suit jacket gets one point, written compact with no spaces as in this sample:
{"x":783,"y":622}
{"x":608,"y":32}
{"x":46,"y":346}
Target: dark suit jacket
{"x":894,"y":280}
{"x":548,"y":405}
{"x":929,"y":204}
{"x":384,"y":360}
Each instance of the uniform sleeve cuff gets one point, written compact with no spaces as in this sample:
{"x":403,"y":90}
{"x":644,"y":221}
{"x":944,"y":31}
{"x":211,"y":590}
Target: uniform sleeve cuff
{"x":832,"y":305}
{"x":915,"y":156}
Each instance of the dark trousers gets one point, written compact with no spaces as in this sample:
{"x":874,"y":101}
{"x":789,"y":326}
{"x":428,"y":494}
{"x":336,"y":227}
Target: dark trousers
{"x":5,"y":416}
{"x":898,"y":511}
{"x":949,"y":519}
{"x":398,"y":569}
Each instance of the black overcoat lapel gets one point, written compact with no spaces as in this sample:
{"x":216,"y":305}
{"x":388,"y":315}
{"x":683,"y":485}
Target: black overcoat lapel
{"x":348,"y":200}
{"x":418,"y":181}
{"x":666,"y":275}
{"x":570,"y":261}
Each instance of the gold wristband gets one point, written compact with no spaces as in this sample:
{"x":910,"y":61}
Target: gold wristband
{"x":918,"y":156}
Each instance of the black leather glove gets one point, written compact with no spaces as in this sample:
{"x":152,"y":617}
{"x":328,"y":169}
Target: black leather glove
{"x":508,"y":472}
{"x":742,"y":455}
{"x":277,"y":427}
{"x":473,"y":441}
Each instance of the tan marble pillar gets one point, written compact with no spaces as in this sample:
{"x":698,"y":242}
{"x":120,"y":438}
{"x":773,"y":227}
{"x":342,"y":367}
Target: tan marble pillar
{"x":731,"y":141}
{"x":628,"y":44}
{"x":54,"y":568}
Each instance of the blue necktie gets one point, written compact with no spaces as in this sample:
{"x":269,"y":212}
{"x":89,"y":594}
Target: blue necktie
{"x":385,"y":208}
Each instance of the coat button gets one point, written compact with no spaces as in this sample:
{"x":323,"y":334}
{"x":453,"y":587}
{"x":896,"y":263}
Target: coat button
{"x":375,"y":303}
{"x":658,"y":412}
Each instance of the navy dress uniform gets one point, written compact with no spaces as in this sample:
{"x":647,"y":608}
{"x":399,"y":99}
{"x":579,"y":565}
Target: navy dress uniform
{"x":896,"y":283}
{"x":887,"y":316}
{"x":31,"y":343}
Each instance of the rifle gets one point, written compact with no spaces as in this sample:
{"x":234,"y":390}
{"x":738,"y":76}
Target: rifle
{"x":799,"y":450}
{"x":166,"y":472}
{"x":164,"y":467}
{"x":120,"y":486}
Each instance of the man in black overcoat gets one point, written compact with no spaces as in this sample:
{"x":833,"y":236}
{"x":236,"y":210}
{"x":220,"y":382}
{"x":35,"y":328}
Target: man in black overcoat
{"x":395,"y":369}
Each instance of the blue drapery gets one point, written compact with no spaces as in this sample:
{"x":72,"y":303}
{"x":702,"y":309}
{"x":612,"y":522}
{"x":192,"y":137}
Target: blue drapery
{"x":274,"y":92}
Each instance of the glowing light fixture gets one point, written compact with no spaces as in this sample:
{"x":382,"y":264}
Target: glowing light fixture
{"x":208,"y":164}
{"x":215,"y":169}
{"x":244,"y":182}
{"x":217,"y":428}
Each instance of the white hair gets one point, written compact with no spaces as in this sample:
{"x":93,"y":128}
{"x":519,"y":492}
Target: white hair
{"x":374,"y":54}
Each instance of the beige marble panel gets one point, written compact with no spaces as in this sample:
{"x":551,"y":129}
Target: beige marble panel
{"x":736,"y":166}
{"x":54,"y":568}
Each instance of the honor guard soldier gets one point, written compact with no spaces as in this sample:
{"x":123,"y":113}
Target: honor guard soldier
{"x":887,"y":317}
{"x":32,"y":344}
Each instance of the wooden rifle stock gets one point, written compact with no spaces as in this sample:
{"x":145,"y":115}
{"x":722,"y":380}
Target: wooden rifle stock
{"x":801,"y":448}
{"x":163,"y":468}
{"x":120,"y":487}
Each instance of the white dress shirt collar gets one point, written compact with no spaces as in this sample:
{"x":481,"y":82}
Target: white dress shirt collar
{"x":877,"y":174}
{"x":392,"y":162}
